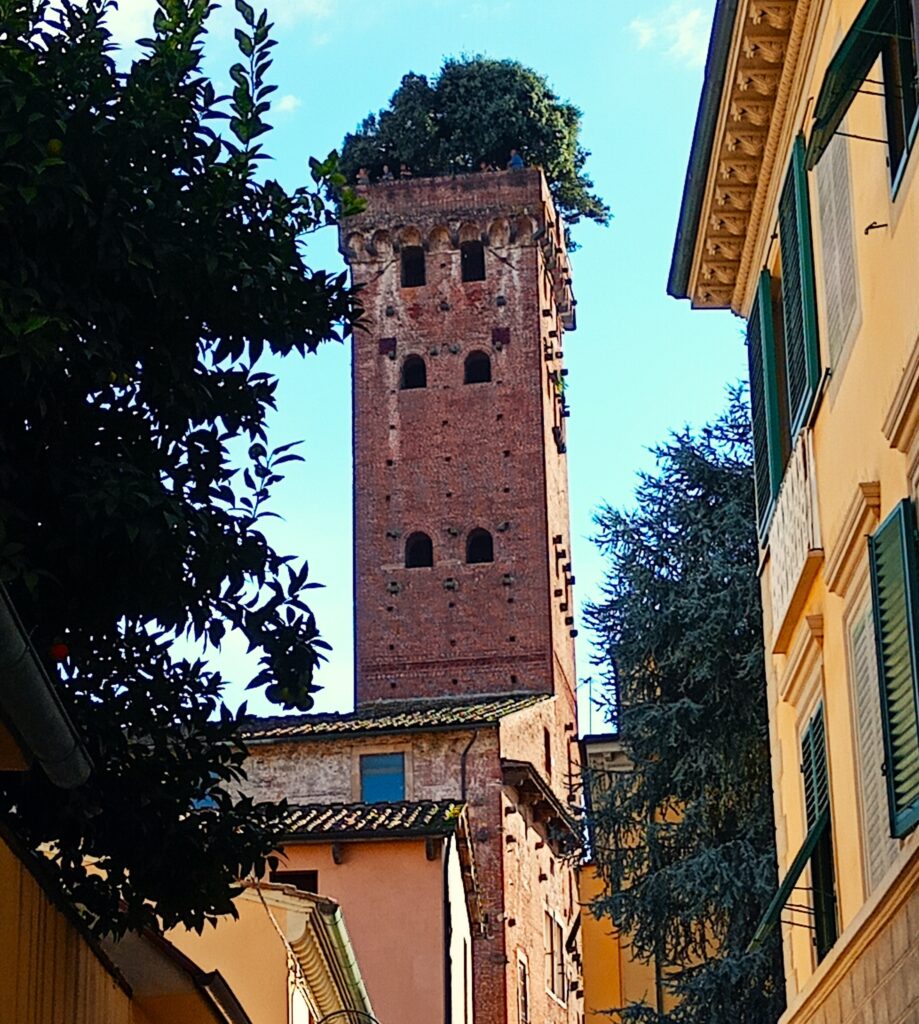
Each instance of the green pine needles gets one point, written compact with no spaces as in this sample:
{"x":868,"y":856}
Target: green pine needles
{"x":685,"y":842}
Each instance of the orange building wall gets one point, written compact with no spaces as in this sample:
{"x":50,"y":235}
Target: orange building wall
{"x":259,"y":980}
{"x":612,"y":977}
{"x":391,"y":896}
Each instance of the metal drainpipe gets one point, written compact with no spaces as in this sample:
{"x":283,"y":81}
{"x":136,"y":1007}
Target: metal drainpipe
{"x":32,"y":707}
{"x":465,"y":752}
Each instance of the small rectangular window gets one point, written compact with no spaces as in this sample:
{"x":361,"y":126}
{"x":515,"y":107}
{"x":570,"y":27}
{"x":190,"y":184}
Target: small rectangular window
{"x":472,"y":261}
{"x":412,"y":266}
{"x":555,"y":956}
{"x":382,"y":778}
{"x":305,"y":881}
{"x":523,"y":994}
{"x":500,"y":336}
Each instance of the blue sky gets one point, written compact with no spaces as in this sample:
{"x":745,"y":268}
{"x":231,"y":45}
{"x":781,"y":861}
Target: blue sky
{"x":640,"y":363}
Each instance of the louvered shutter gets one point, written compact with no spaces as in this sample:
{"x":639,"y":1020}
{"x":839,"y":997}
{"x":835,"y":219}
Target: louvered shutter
{"x":817,"y":806}
{"x":802,"y":361}
{"x":892,"y":552}
{"x":814,"y":769}
{"x":768,"y":450}
{"x":880,"y":849}
{"x":838,"y":238}
{"x":758,"y":416}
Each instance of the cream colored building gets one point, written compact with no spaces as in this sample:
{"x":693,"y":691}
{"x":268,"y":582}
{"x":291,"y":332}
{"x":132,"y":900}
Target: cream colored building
{"x":801,"y":214}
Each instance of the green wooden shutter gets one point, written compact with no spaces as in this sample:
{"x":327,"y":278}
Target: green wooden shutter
{"x":802,"y":354}
{"x":814,"y":769}
{"x":768,"y":453}
{"x":817,"y":806}
{"x":758,"y":416}
{"x":895,"y":587}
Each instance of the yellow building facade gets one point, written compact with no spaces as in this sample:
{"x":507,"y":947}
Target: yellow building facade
{"x":801,"y":214}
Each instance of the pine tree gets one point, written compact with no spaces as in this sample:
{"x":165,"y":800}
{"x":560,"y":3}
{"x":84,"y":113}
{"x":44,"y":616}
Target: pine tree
{"x":685,"y":841}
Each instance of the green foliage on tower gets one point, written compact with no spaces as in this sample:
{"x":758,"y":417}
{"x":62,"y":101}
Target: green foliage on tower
{"x":477,"y":110}
{"x":685,"y":841}
{"x":146,"y":268}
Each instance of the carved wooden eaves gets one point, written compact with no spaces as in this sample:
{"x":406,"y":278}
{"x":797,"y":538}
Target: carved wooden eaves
{"x":753,"y":80}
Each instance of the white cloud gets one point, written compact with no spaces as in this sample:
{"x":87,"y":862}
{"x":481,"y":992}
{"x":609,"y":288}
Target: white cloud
{"x":680,"y":31}
{"x":287,"y":104}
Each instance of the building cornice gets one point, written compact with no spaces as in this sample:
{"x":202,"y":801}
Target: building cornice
{"x":729,"y":175}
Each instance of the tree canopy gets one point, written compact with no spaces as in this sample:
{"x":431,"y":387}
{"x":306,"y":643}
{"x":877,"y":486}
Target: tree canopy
{"x":685,"y":841}
{"x":145,"y":270}
{"x":478,"y":110}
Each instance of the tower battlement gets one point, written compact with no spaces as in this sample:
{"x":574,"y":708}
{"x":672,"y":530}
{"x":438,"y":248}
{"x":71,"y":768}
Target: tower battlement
{"x":462,"y":565}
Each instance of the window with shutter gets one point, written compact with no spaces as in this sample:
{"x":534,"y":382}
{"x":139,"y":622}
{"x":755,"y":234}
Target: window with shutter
{"x":782,"y":341}
{"x":840,"y":281}
{"x":817,"y":808}
{"x":758,"y":416}
{"x":816,"y":850}
{"x":799,"y":319}
{"x":894,"y":584}
{"x":879,"y":848}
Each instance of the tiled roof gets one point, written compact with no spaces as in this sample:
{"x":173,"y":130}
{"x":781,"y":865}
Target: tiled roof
{"x":405,"y":818}
{"x":394,"y":716}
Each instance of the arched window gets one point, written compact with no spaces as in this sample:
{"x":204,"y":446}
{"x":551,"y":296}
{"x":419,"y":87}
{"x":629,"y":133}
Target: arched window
{"x":479,"y":547}
{"x":477,"y":368}
{"x":472,"y":261}
{"x":414,"y":373}
{"x":412,"y":266}
{"x":419,"y":551}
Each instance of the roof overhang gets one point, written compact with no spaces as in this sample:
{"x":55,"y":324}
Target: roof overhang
{"x":751,"y":64}
{"x":548,"y":812}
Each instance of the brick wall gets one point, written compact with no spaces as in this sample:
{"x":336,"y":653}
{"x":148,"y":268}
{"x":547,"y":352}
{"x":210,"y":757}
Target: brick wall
{"x":518,"y":880}
{"x":451,"y":457}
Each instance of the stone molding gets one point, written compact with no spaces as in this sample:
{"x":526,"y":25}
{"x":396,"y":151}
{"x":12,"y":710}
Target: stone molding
{"x":860,"y":519}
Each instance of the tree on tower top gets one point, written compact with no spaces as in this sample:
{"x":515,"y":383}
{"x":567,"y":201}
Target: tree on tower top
{"x":476,"y":111}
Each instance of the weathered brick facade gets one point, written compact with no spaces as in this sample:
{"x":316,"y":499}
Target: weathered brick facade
{"x":443,"y":458}
{"x":450,"y":457}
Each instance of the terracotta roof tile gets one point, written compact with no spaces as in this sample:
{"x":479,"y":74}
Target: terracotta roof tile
{"x":393,"y":716}
{"x":405,"y":818}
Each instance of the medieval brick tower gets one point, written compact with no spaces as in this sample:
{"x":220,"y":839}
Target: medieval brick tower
{"x":465,"y":725}
{"x":462,"y":568}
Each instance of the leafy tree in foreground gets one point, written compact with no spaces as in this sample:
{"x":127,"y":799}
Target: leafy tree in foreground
{"x":685,"y":842}
{"x":474,"y":110}
{"x":144,"y":270}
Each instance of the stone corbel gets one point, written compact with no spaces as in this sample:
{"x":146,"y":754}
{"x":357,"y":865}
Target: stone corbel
{"x":765,"y":83}
{"x":777,"y":14}
{"x":766,"y":48}
{"x":744,"y":171}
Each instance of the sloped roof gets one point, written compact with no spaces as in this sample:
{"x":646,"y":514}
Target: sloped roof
{"x":380,"y":820}
{"x":393,"y":716}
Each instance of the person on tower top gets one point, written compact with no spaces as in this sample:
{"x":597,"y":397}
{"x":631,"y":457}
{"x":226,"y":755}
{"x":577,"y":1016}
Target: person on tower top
{"x":515,"y":162}
{"x":363,"y":176}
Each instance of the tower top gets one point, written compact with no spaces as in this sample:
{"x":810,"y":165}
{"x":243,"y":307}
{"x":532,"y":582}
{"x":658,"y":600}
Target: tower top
{"x":498,"y":208}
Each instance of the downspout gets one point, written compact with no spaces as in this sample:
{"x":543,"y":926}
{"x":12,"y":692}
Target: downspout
{"x":32,"y":707}
{"x":463,"y":756}
{"x":448,"y":933}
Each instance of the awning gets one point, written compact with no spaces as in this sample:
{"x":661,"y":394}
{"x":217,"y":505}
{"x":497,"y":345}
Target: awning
{"x":847,"y":72}
{"x":774,"y":911}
